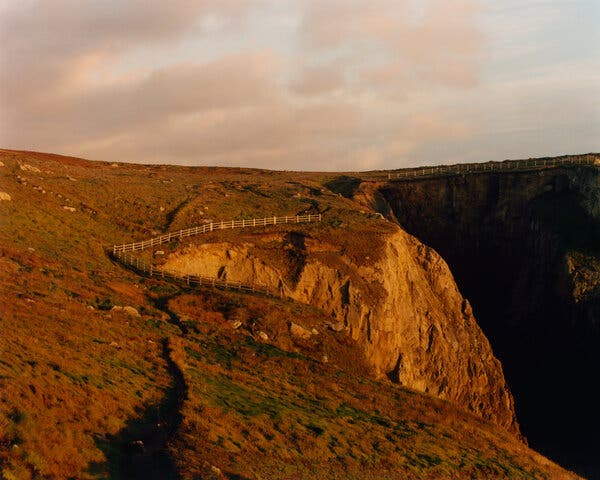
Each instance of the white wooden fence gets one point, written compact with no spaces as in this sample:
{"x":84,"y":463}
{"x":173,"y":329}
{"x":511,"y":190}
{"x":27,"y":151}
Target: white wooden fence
{"x":146,"y":268}
{"x":506,"y":166}
{"x":121,"y":253}
{"x":211,"y":227}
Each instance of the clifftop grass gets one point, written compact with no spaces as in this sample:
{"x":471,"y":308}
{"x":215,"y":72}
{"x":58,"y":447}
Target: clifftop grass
{"x":75,"y":376}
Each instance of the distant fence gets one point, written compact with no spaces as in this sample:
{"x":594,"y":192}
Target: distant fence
{"x":120,"y":253}
{"x":506,"y":166}
{"x":213,"y":226}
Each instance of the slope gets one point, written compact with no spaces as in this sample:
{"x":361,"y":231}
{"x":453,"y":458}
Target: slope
{"x":92,"y":391}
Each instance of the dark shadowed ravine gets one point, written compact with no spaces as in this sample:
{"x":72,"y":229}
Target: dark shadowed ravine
{"x":521,"y":247}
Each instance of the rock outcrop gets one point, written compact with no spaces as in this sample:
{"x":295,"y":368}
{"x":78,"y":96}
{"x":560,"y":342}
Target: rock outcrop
{"x":524,"y":247}
{"x":403,"y":308}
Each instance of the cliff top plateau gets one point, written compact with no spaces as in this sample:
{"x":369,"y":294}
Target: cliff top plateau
{"x":359,"y":354}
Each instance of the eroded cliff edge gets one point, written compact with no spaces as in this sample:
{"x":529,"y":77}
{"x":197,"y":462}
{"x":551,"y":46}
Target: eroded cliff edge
{"x":525,"y":249}
{"x":400,"y":303}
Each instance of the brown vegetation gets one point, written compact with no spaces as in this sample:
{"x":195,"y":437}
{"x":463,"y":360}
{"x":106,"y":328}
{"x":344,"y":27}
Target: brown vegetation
{"x":80,"y":382}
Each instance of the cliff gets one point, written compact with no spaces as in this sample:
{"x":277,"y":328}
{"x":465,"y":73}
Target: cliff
{"x":400,"y":303}
{"x":524,"y":248}
{"x":179,"y":382}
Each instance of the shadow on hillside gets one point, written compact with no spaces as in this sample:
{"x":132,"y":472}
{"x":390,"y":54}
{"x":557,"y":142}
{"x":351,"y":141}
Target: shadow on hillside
{"x":140,"y":450}
{"x":344,"y":185}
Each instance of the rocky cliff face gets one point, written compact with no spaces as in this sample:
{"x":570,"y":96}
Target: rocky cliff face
{"x":525,"y":250}
{"x":403,"y":307}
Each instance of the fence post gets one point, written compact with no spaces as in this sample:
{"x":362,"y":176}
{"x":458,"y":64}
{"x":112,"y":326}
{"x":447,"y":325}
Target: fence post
{"x":274,"y":220}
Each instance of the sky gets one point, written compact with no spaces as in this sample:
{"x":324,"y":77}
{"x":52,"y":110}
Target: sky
{"x":301,"y":84}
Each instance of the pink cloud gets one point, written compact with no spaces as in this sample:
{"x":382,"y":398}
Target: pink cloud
{"x":333,"y":102}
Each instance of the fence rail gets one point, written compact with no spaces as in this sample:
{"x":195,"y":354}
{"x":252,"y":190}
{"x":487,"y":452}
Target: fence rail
{"x":146,"y":268}
{"x":122,"y":253}
{"x":213,"y":226}
{"x":506,"y":166}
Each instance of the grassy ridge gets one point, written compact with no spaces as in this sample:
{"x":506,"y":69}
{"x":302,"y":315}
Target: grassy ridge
{"x":79,"y":381}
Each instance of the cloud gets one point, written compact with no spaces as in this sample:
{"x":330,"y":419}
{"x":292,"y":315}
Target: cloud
{"x":323,"y":84}
{"x":87,"y":111}
{"x":390,"y":45}
{"x":319,"y":80}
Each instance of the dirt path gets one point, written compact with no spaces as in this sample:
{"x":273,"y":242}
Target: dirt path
{"x":143,"y":445}
{"x":141,"y":451}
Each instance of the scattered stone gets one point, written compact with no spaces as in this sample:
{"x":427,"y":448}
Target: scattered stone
{"x":236,"y":324}
{"x":114,"y":344}
{"x":325,"y":359}
{"x":137,"y":446}
{"x":314,"y":331}
{"x":1,"y":164}
{"x":162,"y":209}
{"x":216,"y":470}
{"x":159,"y":252}
{"x":90,"y":307}
{"x":128,"y":310}
{"x":131,"y":311}
{"x":30,"y":249}
{"x":114,"y":165}
{"x":70,"y":209}
{"x":262,"y":336}
{"x":299,"y":331}
{"x":5,"y":196}
{"x":29,"y":168}
{"x":72,"y":179}
{"x":380,"y":216}
{"x":336,"y":326}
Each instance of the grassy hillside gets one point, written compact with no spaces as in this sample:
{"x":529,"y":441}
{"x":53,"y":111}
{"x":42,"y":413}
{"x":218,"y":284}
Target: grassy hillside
{"x":190,"y":387}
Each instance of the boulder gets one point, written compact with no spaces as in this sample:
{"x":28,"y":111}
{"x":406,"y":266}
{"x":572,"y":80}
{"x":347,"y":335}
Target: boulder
{"x":29,"y":168}
{"x":131,"y":311}
{"x":299,"y":331}
{"x":262,"y":336}
{"x":127,"y":309}
{"x":5,"y":196}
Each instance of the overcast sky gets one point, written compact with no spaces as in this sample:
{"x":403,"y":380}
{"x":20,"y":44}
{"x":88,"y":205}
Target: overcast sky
{"x":300,"y":84}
